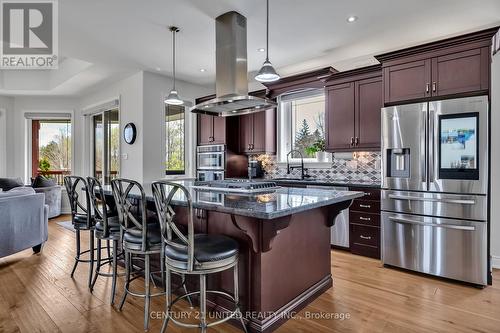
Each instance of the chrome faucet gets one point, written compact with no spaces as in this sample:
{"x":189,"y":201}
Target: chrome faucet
{"x":289,"y":167}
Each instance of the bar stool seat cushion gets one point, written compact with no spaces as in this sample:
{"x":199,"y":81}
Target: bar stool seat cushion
{"x":113,"y":224}
{"x":207,"y":248}
{"x":80,"y":221}
{"x":134,"y":235}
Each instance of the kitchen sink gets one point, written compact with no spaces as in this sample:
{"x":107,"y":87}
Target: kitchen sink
{"x":295,"y":179}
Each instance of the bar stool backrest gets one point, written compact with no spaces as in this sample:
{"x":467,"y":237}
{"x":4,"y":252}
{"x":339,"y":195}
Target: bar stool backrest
{"x":75,"y":184}
{"x":126,"y":202}
{"x":163,"y":193}
{"x":99,"y":203}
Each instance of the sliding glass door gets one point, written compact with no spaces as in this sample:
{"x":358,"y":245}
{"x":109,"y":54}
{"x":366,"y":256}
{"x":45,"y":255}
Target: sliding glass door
{"x":106,"y":145}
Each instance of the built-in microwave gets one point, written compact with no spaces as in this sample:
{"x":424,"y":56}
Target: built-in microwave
{"x":211,"y":157}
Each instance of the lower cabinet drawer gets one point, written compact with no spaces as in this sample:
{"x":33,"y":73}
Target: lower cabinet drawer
{"x":364,"y":218}
{"x":365,"y":240}
{"x":365,"y":206}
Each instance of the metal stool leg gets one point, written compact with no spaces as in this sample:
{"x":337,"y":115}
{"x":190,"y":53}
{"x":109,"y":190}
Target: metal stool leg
{"x":203,"y":302}
{"x":237,"y":296}
{"x":148,"y":292}
{"x":183,"y":281}
{"x":108,"y":249}
{"x":168,"y":299}
{"x":77,"y":257}
{"x":115,"y":271}
{"x":91,"y":269}
{"x":127,"y":279}
{"x":98,"y":266}
{"x":162,"y":264}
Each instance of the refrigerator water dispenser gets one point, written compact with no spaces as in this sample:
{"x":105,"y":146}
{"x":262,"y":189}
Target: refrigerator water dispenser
{"x":398,"y":163}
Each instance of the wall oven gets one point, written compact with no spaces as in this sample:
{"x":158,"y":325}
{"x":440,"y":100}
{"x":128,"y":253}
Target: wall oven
{"x":210,"y":162}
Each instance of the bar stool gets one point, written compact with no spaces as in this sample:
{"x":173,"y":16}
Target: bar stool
{"x":107,"y":227}
{"x":139,"y":238}
{"x":193,"y":254}
{"x":81,"y":218}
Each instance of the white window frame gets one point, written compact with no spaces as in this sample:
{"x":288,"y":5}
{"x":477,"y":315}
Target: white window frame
{"x":284,"y":117}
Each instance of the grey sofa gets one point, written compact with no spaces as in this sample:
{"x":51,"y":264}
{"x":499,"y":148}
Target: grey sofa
{"x":23,"y":220}
{"x":52,"y":199}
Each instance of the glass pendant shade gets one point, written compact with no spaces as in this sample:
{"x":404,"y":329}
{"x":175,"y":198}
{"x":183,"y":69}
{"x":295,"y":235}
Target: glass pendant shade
{"x":267,"y":73}
{"x":173,"y":98}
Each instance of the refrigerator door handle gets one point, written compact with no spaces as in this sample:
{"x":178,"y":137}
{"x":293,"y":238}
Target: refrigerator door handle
{"x":423,"y":143}
{"x":447,"y":226}
{"x":431,"y":136}
{"x":452,"y":201}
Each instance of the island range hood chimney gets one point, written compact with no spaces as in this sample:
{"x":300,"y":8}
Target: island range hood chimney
{"x":231,"y":82}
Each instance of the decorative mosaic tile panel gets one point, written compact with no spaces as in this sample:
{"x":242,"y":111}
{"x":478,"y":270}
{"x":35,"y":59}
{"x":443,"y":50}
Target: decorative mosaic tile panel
{"x":363,"y":166}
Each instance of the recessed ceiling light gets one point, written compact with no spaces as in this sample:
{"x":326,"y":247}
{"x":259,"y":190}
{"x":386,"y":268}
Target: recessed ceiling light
{"x":158,"y":69}
{"x":203,"y":70}
{"x":261,"y":49}
{"x":352,"y":19}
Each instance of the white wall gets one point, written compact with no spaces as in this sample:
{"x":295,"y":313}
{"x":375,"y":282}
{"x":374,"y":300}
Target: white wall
{"x":129,"y":91}
{"x":6,"y":110}
{"x":156,"y":87}
{"x":495,"y":161}
{"x":17,"y":137}
{"x":141,"y":102}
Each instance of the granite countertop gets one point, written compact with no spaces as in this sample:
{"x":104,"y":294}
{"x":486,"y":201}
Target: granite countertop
{"x":324,"y":182}
{"x":277,"y":203}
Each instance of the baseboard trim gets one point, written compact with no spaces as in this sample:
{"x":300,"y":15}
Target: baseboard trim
{"x":495,"y":262}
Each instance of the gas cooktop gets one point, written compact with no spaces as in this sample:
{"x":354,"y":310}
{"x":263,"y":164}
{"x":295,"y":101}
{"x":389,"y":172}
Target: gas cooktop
{"x":236,"y":186}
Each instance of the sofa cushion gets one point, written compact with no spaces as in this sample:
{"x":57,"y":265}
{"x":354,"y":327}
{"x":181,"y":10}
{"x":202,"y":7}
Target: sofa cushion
{"x":7,"y":184}
{"x":41,"y":181}
{"x":17,"y":191}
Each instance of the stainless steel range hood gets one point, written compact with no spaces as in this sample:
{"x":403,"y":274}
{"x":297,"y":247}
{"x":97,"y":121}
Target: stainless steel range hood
{"x":231,"y":71}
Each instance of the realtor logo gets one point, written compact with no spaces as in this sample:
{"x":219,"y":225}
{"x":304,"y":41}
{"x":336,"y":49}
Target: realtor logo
{"x":29,"y":34}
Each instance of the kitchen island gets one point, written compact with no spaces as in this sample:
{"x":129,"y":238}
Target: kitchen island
{"x":284,"y":241}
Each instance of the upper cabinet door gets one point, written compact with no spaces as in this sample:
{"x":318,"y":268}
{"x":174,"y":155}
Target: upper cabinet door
{"x":460,"y":72}
{"x":205,"y":129}
{"x":264,"y":132}
{"x":368,"y":107}
{"x":246,"y":132}
{"x":340,"y":117}
{"x":407,"y":81}
{"x":219,"y":130}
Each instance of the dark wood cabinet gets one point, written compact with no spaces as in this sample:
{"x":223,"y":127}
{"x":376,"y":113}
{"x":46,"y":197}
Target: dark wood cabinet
{"x":460,"y":72}
{"x":407,"y":81}
{"x":339,"y":117}
{"x":353,"y":103}
{"x":364,"y":223}
{"x":368,"y":102}
{"x":211,"y":130}
{"x":258,"y":132}
{"x":453,"y":67}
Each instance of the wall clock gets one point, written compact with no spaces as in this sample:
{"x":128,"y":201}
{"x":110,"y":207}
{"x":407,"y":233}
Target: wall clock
{"x":129,"y":133}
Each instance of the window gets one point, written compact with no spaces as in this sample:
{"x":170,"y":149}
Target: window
{"x":302,"y":125}
{"x":106,"y":144}
{"x":51,"y":148}
{"x":175,"y":151}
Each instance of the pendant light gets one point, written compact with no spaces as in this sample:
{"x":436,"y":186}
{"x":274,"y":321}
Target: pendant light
{"x":267,"y":72}
{"x":173,"y":97}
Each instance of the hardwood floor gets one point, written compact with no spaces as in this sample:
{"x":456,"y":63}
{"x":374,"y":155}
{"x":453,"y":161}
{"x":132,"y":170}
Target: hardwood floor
{"x":38,"y":295}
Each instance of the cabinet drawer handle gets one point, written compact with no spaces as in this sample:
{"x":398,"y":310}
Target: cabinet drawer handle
{"x":427,"y":88}
{"x":365,"y":218}
{"x":434,"y":86}
{"x":365,"y":206}
{"x":356,"y":143}
{"x":368,"y":193}
{"x":365,"y":237}
{"x":352,"y":141}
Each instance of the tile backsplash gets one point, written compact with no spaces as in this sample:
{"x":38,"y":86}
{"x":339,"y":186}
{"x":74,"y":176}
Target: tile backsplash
{"x":361,"y":166}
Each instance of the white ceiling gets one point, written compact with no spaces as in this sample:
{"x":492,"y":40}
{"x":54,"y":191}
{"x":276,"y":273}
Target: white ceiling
{"x":109,"y":39}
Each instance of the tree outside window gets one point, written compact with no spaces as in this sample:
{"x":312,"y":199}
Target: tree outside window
{"x":175,"y":129}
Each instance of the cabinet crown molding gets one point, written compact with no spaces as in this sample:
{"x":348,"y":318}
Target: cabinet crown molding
{"x":353,"y":74}
{"x":473,"y":37}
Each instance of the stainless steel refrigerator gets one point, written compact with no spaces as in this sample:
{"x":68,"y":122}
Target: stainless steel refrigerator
{"x":435,"y":173}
